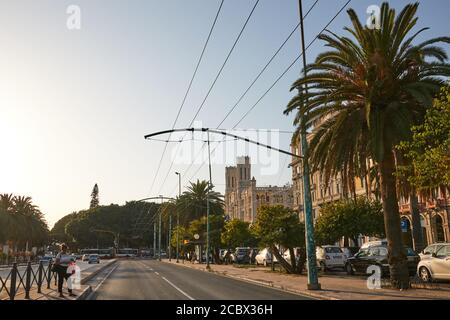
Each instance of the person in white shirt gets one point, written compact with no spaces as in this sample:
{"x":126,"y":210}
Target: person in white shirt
{"x":61,"y":264}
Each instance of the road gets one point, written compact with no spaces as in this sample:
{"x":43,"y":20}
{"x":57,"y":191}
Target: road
{"x":154,"y":280}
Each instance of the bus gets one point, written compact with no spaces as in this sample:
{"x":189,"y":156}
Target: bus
{"x":102,"y":253}
{"x":127,"y":252}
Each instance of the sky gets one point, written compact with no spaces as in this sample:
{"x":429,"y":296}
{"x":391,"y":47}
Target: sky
{"x":75,"y":104}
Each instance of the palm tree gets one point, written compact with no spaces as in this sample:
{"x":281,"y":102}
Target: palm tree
{"x":363,"y":96}
{"x":192,"y":203}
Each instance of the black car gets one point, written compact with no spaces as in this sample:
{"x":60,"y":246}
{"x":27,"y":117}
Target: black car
{"x":378,"y":256}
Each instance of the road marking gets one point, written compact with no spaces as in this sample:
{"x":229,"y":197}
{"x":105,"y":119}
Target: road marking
{"x":184,"y":293}
{"x":103,"y":280}
{"x":156,"y":273}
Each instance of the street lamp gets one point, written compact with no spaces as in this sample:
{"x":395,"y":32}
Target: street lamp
{"x":178,"y":214}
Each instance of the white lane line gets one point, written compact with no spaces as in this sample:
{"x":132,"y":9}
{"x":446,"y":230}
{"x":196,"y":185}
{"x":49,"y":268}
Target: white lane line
{"x":156,"y":273}
{"x":103,"y":280}
{"x":184,"y":293}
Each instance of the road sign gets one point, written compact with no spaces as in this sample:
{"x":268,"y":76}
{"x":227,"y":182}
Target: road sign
{"x":404,"y":225}
{"x":196,"y":236}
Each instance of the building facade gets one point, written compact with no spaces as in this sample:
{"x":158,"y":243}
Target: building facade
{"x":435,"y":214}
{"x":243,"y":197}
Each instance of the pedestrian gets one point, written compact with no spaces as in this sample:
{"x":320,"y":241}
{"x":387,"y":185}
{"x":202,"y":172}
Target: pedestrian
{"x":62,"y":262}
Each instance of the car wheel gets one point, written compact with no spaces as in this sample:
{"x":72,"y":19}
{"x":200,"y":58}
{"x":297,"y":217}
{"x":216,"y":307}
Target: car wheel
{"x":349,"y":269}
{"x":424,"y":274}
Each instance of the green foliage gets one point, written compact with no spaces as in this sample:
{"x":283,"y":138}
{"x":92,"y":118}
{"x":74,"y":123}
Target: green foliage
{"x":278,"y":226}
{"x":216,"y":224}
{"x":94,"y":198}
{"x":132,"y":221}
{"x":429,"y":148}
{"x":237,"y":233}
{"x":349,"y":218}
{"x":191,"y":205}
{"x":21,"y":222}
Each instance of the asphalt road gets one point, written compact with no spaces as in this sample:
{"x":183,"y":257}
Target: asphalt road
{"x":154,"y":280}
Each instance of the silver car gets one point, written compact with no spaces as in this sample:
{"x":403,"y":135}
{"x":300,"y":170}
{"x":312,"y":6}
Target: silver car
{"x":435,"y":266}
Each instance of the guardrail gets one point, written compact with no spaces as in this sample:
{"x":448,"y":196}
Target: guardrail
{"x":16,"y":279}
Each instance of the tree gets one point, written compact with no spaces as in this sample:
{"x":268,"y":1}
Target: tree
{"x":349,"y":218}
{"x":94,"y":197}
{"x":192,"y":203}
{"x":237,"y":233}
{"x":429,"y":148}
{"x":362,"y":97}
{"x":216,"y":224}
{"x":22,"y":222}
{"x":278,"y":226}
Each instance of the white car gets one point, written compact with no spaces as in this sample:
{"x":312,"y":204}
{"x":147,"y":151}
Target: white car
{"x":287,"y":255}
{"x":85,"y":257}
{"x":330,"y":257}
{"x":429,"y":250}
{"x":264,"y":257}
{"x":436,"y":266}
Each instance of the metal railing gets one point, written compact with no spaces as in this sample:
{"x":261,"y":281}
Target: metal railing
{"x":18,"y":281}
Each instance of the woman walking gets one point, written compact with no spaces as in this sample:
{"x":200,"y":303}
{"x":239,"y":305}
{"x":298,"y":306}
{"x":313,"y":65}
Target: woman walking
{"x":61,"y":264}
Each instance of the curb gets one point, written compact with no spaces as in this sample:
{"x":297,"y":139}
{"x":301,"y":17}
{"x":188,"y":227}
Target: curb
{"x":86,"y":292}
{"x":261,"y":283}
{"x":96,"y":272}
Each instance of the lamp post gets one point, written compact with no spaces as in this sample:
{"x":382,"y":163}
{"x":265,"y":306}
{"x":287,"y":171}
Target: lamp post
{"x":178,"y":214}
{"x":159,"y":228}
{"x":313,"y":282}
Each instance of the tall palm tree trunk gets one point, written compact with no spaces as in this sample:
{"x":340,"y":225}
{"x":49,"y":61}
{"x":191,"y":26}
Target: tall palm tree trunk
{"x":397,"y":259}
{"x":416,"y":225}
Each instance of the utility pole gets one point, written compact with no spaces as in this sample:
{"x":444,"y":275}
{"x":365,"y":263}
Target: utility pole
{"x":159,"y":234}
{"x":154,"y":239}
{"x":170,"y":237}
{"x":313,"y":282}
{"x":208,"y":206}
{"x":178,"y":215}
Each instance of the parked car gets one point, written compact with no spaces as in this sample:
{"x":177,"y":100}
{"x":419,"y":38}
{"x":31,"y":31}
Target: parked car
{"x":241,"y":255}
{"x":378,"y":256}
{"x":436,"y":266}
{"x":252,"y":255}
{"x":46,"y":259}
{"x":264,"y":257}
{"x":287,"y":255}
{"x":350,"y":251}
{"x":222,"y":254}
{"x":432,"y":248}
{"x":85,"y":257}
{"x":330,"y":257}
{"x":376,"y":243}
{"x":94,"y":258}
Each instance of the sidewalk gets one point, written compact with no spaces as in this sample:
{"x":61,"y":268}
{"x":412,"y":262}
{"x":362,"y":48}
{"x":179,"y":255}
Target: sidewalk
{"x":334,"y":287}
{"x":52,"y":294}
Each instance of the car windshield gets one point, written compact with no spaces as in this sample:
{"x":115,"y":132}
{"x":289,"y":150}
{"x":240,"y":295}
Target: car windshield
{"x":333,"y":250}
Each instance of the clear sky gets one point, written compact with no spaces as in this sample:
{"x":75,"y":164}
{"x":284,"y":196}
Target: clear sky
{"x":75,"y":104}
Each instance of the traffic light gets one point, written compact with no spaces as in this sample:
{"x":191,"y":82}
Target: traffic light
{"x":185,"y":241}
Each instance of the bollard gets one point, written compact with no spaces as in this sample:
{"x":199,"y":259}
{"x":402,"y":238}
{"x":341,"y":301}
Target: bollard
{"x":28,"y":281}
{"x":12,"y":290}
{"x":39,"y":284}
{"x":49,"y":274}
